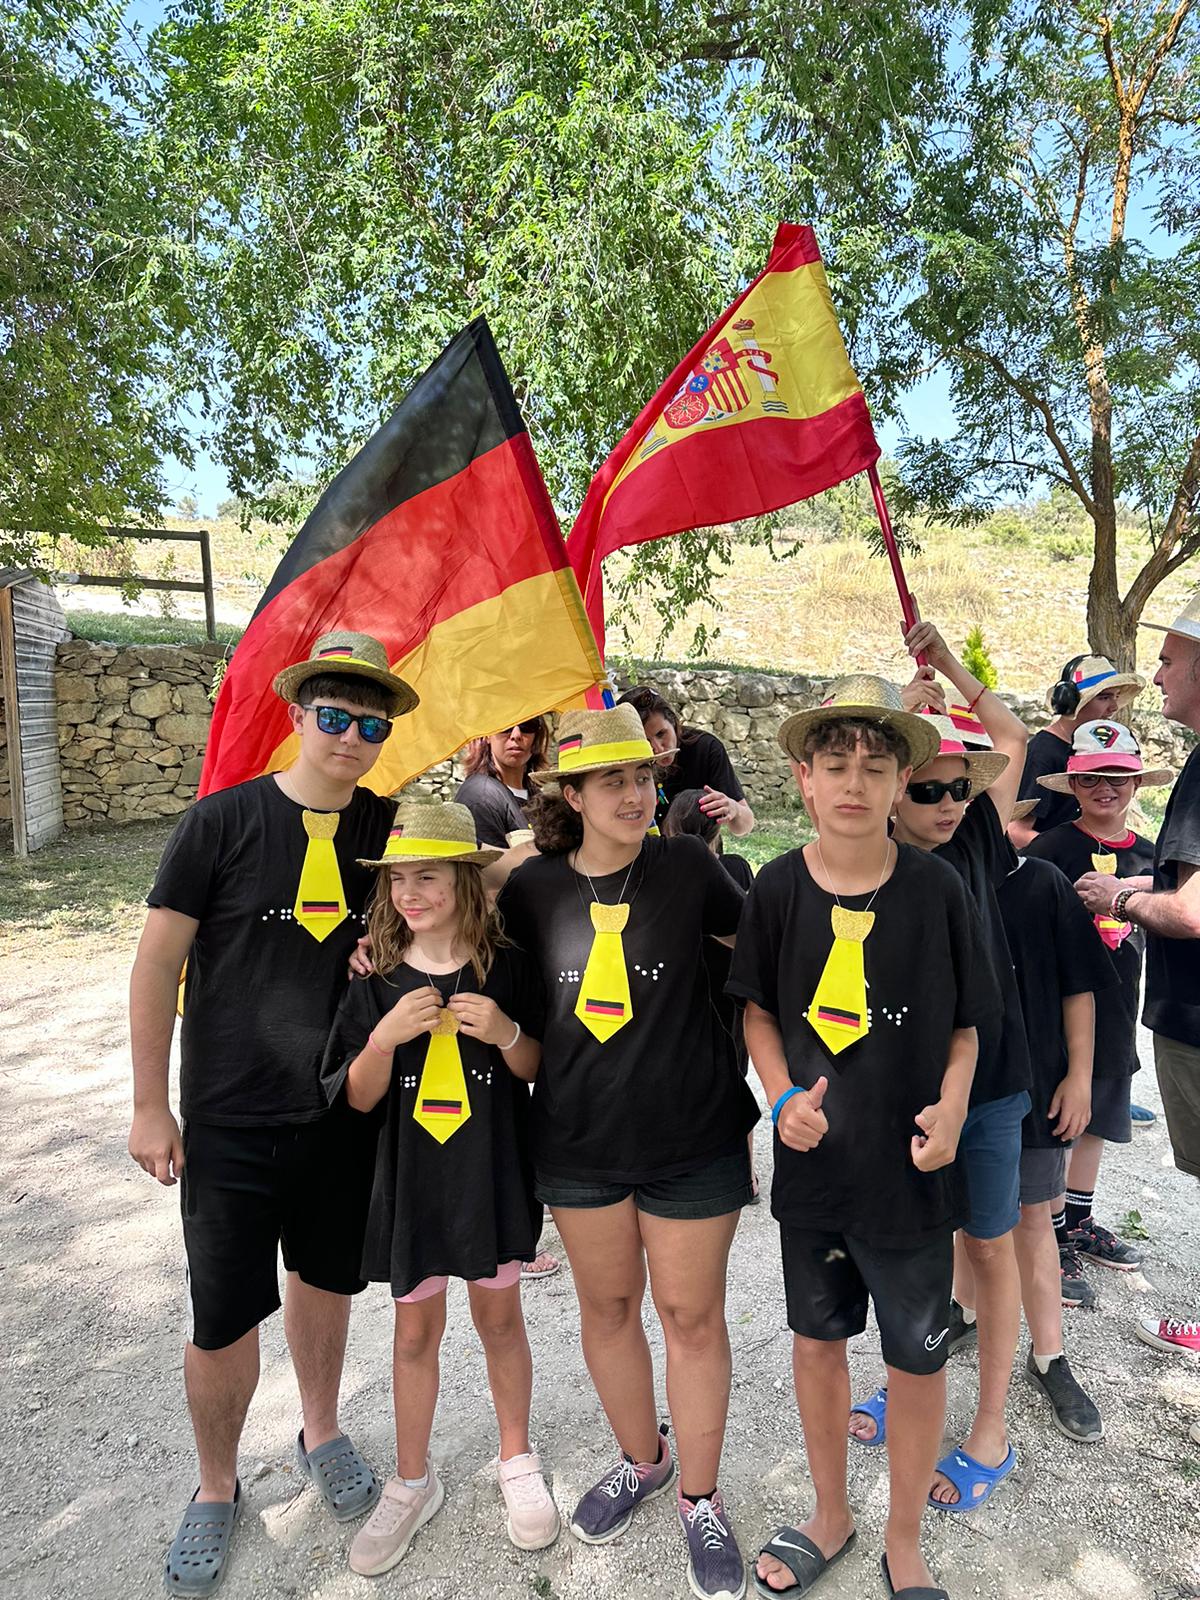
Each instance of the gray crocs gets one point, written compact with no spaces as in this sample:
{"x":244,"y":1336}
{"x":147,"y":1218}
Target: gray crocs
{"x":196,"y":1560}
{"x":344,"y":1480}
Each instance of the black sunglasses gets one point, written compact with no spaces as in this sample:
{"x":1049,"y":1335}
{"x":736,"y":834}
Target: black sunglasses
{"x":931,"y":791}
{"x":332,"y":719}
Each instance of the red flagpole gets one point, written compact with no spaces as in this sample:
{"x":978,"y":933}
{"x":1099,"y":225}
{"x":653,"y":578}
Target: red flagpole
{"x":908,"y":607}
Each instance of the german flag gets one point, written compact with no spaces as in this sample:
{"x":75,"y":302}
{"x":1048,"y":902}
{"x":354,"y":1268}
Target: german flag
{"x":439,"y":540}
{"x":766,"y":410}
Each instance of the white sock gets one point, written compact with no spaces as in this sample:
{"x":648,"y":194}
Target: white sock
{"x":1042,"y":1363}
{"x":416,"y":1483}
{"x":968,"y":1315}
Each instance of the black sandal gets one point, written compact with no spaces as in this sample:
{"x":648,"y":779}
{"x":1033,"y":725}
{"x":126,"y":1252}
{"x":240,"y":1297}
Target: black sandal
{"x":783,"y":1547}
{"x":908,"y":1594}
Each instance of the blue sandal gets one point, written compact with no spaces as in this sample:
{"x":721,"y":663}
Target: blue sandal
{"x":876,"y":1409}
{"x":967,"y":1475}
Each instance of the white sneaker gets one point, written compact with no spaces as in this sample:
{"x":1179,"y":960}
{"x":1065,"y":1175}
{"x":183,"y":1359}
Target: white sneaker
{"x":532,"y":1515}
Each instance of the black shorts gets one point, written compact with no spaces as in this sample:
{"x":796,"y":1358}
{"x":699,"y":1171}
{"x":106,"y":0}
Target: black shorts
{"x":828,"y":1277}
{"x":247,"y":1191}
{"x":720,"y":1185}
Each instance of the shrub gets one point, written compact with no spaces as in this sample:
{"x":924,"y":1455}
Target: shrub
{"x":977,"y":659}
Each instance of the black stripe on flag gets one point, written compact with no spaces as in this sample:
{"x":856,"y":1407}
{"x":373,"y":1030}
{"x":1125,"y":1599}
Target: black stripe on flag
{"x":438,"y":439}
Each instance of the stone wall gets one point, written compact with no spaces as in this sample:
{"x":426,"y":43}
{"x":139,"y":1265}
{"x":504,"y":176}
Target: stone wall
{"x":132,"y":726}
{"x":133,"y":722}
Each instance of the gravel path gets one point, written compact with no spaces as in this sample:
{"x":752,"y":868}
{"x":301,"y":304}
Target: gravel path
{"x":96,"y":1453}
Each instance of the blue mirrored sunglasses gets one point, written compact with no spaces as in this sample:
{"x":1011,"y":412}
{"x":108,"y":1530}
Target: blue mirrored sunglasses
{"x":332,"y":719}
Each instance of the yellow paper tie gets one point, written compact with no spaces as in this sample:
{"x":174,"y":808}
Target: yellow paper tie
{"x":604,"y":1005}
{"x":442,"y":1102}
{"x":838,"y":1011}
{"x":1112,"y":930}
{"x":320,"y":900}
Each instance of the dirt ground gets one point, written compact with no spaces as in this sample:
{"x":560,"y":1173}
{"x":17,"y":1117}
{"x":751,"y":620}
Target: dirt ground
{"x":96,"y":1451}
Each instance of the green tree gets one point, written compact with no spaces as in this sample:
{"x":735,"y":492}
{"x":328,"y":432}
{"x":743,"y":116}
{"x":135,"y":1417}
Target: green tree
{"x":981,"y":167}
{"x":601,"y":181}
{"x":93,"y":317}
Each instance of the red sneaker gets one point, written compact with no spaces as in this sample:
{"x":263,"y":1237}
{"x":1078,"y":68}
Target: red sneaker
{"x":1168,"y":1334}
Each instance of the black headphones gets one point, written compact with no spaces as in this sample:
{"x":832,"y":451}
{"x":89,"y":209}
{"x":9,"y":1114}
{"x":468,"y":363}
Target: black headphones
{"x":1064,"y":697}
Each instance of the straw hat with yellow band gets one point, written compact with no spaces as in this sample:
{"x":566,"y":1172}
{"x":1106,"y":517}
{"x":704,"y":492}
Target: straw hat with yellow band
{"x":983,"y":766}
{"x":351,"y":655}
{"x":869,"y":699}
{"x":593,"y":741}
{"x":425,"y":831}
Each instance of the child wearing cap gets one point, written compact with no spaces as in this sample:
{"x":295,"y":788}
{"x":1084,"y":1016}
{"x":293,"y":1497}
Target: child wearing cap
{"x":1104,"y":773}
{"x":1088,"y":688}
{"x":443,"y":1039}
{"x":640,"y":1121}
{"x":859,"y":961}
{"x":260,"y":892}
{"x":1062,"y":975}
{"x":933,"y":814}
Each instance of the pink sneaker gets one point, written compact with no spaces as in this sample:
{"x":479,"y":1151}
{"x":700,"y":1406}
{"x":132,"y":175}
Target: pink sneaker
{"x":383,"y":1540}
{"x":1168,"y":1334}
{"x":532,"y":1514}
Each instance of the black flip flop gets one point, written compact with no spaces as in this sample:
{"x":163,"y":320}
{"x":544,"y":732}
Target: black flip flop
{"x":907,"y":1594}
{"x":783,"y":1546}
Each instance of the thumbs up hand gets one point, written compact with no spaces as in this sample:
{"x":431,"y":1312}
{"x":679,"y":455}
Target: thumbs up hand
{"x":802,"y":1124}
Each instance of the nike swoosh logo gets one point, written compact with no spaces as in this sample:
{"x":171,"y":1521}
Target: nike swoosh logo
{"x":788,"y":1545}
{"x":931,"y":1343}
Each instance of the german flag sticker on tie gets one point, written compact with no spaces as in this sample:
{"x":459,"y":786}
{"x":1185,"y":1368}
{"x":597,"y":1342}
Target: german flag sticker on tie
{"x":838,"y":1018}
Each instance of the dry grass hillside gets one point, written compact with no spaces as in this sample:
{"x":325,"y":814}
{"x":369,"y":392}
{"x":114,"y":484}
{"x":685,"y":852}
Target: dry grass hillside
{"x":823,"y":602}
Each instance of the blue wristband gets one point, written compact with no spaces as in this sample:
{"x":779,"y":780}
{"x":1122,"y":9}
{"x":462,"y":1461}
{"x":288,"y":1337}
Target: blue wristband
{"x":782,"y":1101}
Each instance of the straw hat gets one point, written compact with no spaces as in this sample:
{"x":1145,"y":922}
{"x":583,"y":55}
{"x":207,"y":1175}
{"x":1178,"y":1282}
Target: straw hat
{"x":1024,"y":808}
{"x":425,"y":831}
{"x":983,"y":766}
{"x":1105,"y":748}
{"x":352,"y":655}
{"x":969,"y":728}
{"x":592,"y":741}
{"x":1186,"y":624}
{"x":1093,"y":675}
{"x":871,"y":699}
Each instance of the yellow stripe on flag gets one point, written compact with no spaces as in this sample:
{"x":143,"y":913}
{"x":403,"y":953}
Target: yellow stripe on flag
{"x":492,"y":665}
{"x":789,"y":361}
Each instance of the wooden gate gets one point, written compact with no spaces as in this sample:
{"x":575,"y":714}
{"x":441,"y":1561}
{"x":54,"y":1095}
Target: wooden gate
{"x":31,"y":626}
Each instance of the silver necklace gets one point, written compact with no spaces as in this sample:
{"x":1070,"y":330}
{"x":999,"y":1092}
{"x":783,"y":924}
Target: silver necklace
{"x":887,"y":856}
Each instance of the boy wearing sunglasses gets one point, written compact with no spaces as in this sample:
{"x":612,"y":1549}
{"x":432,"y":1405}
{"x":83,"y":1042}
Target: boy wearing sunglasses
{"x":959,"y":805}
{"x":260,"y":892}
{"x":1104,"y":773}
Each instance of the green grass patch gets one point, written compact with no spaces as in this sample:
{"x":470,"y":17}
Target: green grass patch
{"x":128,"y":627}
{"x":92,"y":880}
{"x":773,"y":835}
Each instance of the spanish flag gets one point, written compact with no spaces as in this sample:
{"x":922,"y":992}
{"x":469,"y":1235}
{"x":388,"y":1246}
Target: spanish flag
{"x":439,"y":540}
{"x":766,"y":410}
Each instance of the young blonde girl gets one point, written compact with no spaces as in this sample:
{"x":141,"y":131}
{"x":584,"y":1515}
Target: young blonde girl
{"x":440,"y":1043}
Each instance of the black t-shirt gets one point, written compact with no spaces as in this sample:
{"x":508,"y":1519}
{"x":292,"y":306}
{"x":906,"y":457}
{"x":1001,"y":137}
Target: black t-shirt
{"x":496,"y":809}
{"x":658,"y":1097}
{"x":462,"y":1208}
{"x":1056,"y":953}
{"x":1173,"y":965}
{"x":728,"y":1013}
{"x":1071,"y":850}
{"x":701,"y":759}
{"x":1046,"y":753}
{"x":926,"y":976}
{"x":982,"y":856}
{"x":261,"y":991}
